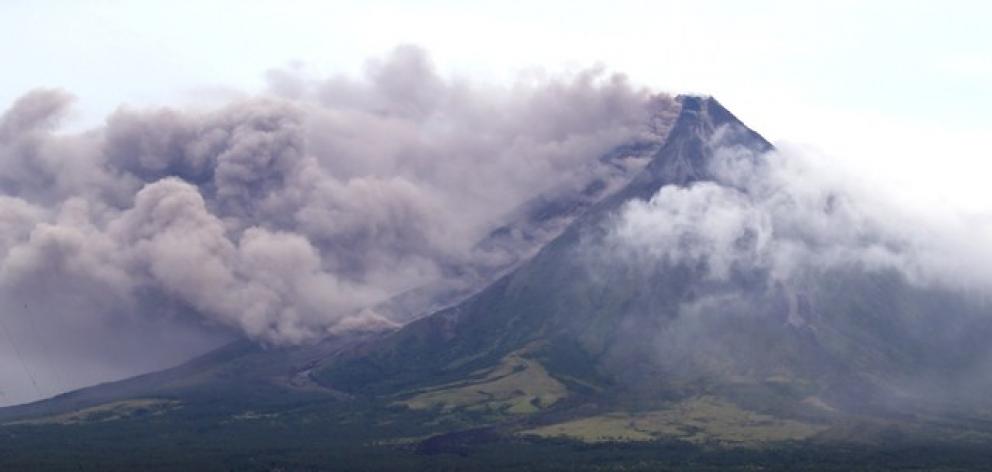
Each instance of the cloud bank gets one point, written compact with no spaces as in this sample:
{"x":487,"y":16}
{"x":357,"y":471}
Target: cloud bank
{"x":784,"y":264}
{"x":791,"y":211}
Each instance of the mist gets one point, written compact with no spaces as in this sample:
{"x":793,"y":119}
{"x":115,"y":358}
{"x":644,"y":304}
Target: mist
{"x":793,"y":210}
{"x":792,"y":267}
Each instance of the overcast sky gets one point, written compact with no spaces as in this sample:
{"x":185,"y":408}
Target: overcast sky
{"x":895,"y":91}
{"x":896,"y":82}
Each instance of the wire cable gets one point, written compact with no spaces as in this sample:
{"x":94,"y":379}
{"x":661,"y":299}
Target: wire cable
{"x":20,"y":358}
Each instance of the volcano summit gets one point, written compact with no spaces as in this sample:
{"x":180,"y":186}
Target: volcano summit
{"x":691,"y":301}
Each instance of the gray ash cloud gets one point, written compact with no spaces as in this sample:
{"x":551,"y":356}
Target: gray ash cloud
{"x":281,"y":216}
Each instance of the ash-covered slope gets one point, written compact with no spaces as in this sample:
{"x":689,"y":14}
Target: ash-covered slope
{"x":538,"y":221}
{"x":552,"y":297}
{"x":578,"y":326}
{"x":258,"y":374}
{"x":583,"y":341}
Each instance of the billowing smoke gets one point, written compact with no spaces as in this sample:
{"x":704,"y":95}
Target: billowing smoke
{"x":284,"y":216}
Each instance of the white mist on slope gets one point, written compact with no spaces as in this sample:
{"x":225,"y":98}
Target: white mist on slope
{"x":791,"y":210}
{"x":790,"y":252}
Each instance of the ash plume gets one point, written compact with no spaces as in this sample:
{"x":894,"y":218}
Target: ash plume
{"x":283,"y":216}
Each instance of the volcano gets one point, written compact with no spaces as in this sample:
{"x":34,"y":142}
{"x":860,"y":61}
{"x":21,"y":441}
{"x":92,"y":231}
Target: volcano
{"x":571,"y":355}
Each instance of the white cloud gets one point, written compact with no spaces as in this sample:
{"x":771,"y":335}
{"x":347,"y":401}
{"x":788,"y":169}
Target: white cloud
{"x":790,"y":212}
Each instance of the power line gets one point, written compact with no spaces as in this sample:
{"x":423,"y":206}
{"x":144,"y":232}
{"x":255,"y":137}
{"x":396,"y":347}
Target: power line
{"x":20,"y":358}
{"x":45,"y":350}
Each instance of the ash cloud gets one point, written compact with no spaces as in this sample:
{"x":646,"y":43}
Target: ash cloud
{"x":284,"y":216}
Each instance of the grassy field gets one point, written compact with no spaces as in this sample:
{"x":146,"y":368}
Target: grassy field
{"x":698,"y":420}
{"x":517,"y":385}
{"x":107,"y":412}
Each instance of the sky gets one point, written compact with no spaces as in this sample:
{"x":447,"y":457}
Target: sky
{"x":874,"y":83}
{"x":895,"y":92}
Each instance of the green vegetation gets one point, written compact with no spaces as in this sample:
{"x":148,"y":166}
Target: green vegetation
{"x":107,"y":412}
{"x":517,"y":385}
{"x":345,"y":436}
{"x":699,"y":420}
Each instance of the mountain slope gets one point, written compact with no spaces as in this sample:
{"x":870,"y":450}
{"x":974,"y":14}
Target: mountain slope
{"x":242,"y":373}
{"x":285,"y":371}
{"x":548,"y":295}
{"x":576,"y":341}
{"x":839,"y":343}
